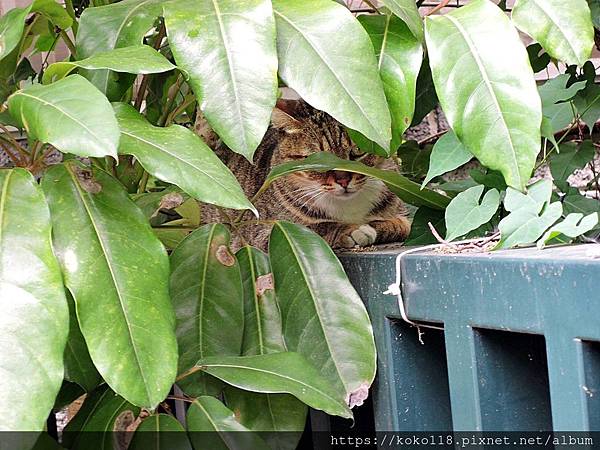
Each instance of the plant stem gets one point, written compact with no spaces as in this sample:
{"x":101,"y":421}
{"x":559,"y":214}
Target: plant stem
{"x":162,"y":31}
{"x":71,"y":11}
{"x":187,"y":101}
{"x":441,"y":5}
{"x":34,"y":151}
{"x":67,"y":39}
{"x":14,"y":157}
{"x":369,"y":3}
{"x":8,"y":137}
{"x":170,"y":101}
{"x":143,"y":183}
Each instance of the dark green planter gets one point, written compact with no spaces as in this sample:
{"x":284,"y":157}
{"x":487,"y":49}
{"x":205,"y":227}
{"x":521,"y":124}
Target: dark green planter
{"x":519,"y":350}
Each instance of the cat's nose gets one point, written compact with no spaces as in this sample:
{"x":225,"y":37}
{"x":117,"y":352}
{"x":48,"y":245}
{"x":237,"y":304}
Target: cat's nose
{"x":342,"y":178}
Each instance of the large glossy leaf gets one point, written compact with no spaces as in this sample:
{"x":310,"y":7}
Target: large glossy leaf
{"x":70,"y":114}
{"x":448,"y":154}
{"x":35,"y":318}
{"x":135,"y":59}
{"x":118,"y":272}
{"x":285,"y":372}
{"x":206,"y":291}
{"x":495,"y":112}
{"x":400,"y":55}
{"x":407,"y":190}
{"x":563,"y":27}
{"x":94,"y":425}
{"x":468,"y":211}
{"x":408,"y":12}
{"x":12,"y":25}
{"x":160,"y":432}
{"x":323,"y":317}
{"x":213,"y":426}
{"x":343,"y":78}
{"x":271,"y":413}
{"x":79,"y":367}
{"x":262,"y":324}
{"x":279,"y":418}
{"x":177,"y":155}
{"x":228,"y":49}
{"x":104,"y":28}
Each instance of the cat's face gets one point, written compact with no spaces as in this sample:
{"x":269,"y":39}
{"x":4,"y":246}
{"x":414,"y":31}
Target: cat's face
{"x":337,"y":193}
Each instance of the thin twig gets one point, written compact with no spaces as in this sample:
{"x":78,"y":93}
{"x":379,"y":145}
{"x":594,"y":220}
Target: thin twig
{"x":187,"y":101}
{"x":171,"y":100}
{"x":67,"y":39}
{"x":145,"y":79}
{"x":442,"y":4}
{"x":8,"y":136}
{"x":14,"y":157}
{"x":183,"y":399}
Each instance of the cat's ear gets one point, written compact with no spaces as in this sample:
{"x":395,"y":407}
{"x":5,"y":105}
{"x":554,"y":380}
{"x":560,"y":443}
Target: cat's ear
{"x":282,"y":116}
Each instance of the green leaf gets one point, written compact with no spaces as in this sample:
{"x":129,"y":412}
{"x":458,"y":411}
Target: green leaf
{"x":448,"y":154}
{"x":465,"y":213}
{"x":324,"y":319}
{"x":177,"y":155}
{"x":12,"y":25}
{"x":525,"y":226}
{"x":135,"y":59}
{"x":574,"y":202}
{"x":70,"y":114}
{"x":93,"y":427}
{"x":557,"y":108}
{"x":54,"y":11}
{"x":400,"y":55}
{"x":35,"y":317}
{"x":538,"y":194}
{"x":407,"y":11}
{"x":547,"y":131}
{"x":105,"y":244}
{"x":587,"y":102}
{"x":570,"y":158}
{"x":426,"y":99}
{"x":367,"y":145}
{"x":555,"y":90}
{"x":407,"y":190}
{"x":221,"y":430}
{"x":563,"y":27}
{"x":262,"y":323}
{"x":285,"y":372}
{"x":206,"y":291}
{"x":572,"y":226}
{"x":279,"y":418}
{"x":343,"y":78}
{"x":595,"y":10}
{"x":495,"y":113}
{"x":538,"y":58}
{"x":531,"y":214}
{"x":117,"y":25}
{"x":79,"y":367}
{"x":228,"y":49}
{"x":270,"y":413}
{"x":160,"y":432}
{"x":420,"y":233}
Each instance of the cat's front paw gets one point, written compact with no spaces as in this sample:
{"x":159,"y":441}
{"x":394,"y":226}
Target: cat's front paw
{"x":362,"y":236}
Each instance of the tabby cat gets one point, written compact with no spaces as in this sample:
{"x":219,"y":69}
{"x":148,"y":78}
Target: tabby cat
{"x":346,"y":209}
